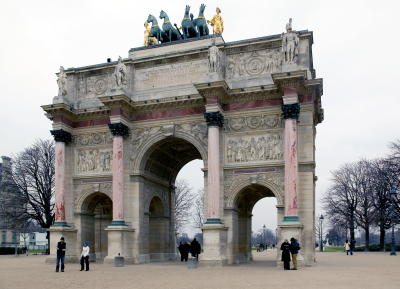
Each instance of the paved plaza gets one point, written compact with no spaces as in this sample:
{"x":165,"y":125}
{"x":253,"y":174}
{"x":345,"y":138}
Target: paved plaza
{"x":334,"y":270}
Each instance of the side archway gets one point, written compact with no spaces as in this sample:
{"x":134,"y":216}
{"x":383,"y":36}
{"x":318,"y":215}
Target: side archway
{"x":95,"y":215}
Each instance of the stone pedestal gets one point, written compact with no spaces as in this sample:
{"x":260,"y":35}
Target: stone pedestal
{"x":73,"y":248}
{"x":287,"y":230}
{"x":214,"y":245}
{"x":120,"y":243}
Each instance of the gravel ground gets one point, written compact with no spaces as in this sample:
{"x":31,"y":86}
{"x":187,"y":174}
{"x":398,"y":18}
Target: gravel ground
{"x":333,"y":270}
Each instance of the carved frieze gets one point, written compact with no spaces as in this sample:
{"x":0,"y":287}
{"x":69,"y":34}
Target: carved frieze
{"x":253,"y":148}
{"x":139,"y":136}
{"x":93,"y":161}
{"x":92,"y":139}
{"x":252,"y":122}
{"x":252,"y":64}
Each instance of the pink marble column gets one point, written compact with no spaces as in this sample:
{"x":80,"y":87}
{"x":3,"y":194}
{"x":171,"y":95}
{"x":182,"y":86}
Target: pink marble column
{"x":61,"y":138}
{"x":59,"y":181}
{"x":291,"y":174}
{"x":291,"y":111}
{"x":213,"y":179}
{"x":214,"y":122}
{"x":118,"y":179}
{"x":119,"y":130}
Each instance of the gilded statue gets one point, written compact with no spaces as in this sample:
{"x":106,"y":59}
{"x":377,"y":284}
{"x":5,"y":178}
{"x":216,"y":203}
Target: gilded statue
{"x":148,"y":40}
{"x":217,"y":22}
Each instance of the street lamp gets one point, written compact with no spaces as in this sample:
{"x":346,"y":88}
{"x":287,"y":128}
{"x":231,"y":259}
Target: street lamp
{"x":321,"y":219}
{"x":393,"y":193}
{"x":264,"y":234}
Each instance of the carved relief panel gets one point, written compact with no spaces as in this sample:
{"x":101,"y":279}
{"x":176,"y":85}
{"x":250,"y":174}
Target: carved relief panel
{"x":93,"y":160}
{"x":253,"y":148}
{"x":253,"y":64}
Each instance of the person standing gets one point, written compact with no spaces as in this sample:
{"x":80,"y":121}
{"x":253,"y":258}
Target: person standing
{"x":294,"y":249}
{"x":285,"y":247}
{"x":352,"y":246}
{"x":61,"y":248}
{"x":85,"y":256}
{"x":195,"y":249}
{"x":186,"y":250}
{"x":347,"y":247}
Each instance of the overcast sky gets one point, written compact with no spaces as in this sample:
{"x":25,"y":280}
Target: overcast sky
{"x":356,"y":52}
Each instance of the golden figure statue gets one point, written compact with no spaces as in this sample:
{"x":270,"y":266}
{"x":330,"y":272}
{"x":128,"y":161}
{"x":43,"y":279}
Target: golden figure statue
{"x":148,"y":40}
{"x":217,"y":22}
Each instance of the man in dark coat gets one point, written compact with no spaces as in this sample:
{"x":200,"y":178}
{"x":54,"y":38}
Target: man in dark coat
{"x":195,"y":249}
{"x":294,"y":250}
{"x":285,"y":247}
{"x":61,"y":248}
{"x":184,"y":251}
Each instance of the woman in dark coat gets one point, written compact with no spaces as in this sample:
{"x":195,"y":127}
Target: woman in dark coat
{"x":285,"y":247}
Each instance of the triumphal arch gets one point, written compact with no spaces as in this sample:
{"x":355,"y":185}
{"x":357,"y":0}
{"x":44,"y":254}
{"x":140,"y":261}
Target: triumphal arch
{"x":123,"y":129}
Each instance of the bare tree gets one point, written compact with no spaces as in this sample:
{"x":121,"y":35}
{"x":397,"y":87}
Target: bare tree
{"x":363,"y":184}
{"x":198,"y":215}
{"x":33,"y":176}
{"x":341,"y":199}
{"x":184,"y":199}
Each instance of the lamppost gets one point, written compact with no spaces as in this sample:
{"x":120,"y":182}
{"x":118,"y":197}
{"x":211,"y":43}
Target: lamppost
{"x":321,"y":246}
{"x":393,"y":193}
{"x":264,"y":234}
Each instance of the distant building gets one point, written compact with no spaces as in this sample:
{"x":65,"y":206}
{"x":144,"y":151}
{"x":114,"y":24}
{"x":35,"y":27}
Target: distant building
{"x":33,"y":241}
{"x":9,"y":237}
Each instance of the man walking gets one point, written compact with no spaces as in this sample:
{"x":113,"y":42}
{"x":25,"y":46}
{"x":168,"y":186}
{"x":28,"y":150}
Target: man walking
{"x":195,"y":249}
{"x":294,"y":250}
{"x":61,"y":248}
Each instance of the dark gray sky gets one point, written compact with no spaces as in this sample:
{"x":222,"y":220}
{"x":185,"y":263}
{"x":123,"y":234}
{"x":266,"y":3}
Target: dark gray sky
{"x":355,"y":50}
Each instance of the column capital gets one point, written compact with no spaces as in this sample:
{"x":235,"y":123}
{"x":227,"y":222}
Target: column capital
{"x":291,"y":110}
{"x":61,"y":135}
{"x":214,"y":118}
{"x":118,"y":129}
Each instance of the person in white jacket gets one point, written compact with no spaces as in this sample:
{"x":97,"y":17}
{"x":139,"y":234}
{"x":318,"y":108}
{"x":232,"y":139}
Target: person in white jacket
{"x":85,"y":256}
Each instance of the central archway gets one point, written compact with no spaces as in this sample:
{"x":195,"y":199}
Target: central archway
{"x":160,"y":166}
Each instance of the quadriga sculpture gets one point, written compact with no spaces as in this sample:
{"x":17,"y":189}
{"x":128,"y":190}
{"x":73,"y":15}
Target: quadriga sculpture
{"x":201,"y":23}
{"x":155,"y":30}
{"x":172,"y":33}
{"x":188,"y":26}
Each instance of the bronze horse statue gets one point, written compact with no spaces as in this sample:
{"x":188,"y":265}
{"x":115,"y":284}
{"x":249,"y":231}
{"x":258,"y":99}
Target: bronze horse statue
{"x":188,"y":26}
{"x":172,"y":33}
{"x":156,"y":31}
{"x":201,"y":23}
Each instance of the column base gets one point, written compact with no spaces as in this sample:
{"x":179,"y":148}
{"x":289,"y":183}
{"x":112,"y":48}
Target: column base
{"x":118,"y":223}
{"x":291,"y":219}
{"x":213,"y":221}
{"x":214,"y":244}
{"x":120,"y":243}
{"x":287,"y":230}
{"x":70,"y":236}
{"x":60,"y":224}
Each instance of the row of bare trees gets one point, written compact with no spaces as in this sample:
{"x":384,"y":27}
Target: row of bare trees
{"x":360,"y":195}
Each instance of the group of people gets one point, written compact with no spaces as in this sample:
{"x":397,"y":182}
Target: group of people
{"x":61,"y":249}
{"x":194,"y":248}
{"x":289,"y":252}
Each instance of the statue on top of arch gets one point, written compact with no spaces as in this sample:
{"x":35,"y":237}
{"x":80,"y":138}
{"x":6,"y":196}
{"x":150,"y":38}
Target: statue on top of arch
{"x":290,"y":44}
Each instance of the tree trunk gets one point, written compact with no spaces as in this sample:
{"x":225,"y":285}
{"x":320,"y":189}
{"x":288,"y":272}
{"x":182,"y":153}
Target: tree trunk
{"x":366,"y":239}
{"x":48,"y":242}
{"x":382,"y":232}
{"x":351,"y":228}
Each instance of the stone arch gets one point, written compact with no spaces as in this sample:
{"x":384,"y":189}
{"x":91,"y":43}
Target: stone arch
{"x":144,"y":149}
{"x":95,"y":214}
{"x":159,"y":230}
{"x":238,"y":186}
{"x":88,"y":190}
